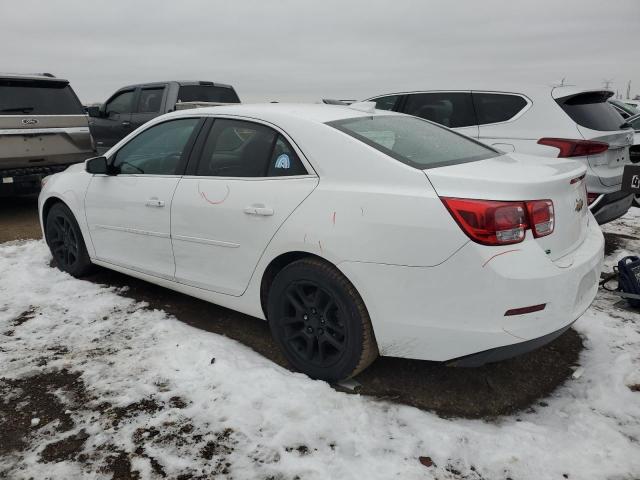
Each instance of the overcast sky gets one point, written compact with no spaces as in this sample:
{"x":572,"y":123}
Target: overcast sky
{"x":300,"y":50}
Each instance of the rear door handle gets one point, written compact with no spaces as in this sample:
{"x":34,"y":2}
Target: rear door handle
{"x":154,"y":202}
{"x":258,"y":210}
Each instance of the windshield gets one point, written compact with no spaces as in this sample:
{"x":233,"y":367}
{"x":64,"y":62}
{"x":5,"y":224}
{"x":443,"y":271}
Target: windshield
{"x":33,"y":97}
{"x":414,"y":141}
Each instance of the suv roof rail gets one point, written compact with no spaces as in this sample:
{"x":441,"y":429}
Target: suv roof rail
{"x":46,"y":74}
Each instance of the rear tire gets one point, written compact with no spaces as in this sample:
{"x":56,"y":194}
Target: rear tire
{"x":636,"y":200}
{"x":320,"y":321}
{"x":65,"y":241}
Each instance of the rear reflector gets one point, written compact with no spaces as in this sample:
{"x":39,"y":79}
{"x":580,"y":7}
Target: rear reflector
{"x":575,"y":148}
{"x":491,"y":222}
{"x":523,"y":310}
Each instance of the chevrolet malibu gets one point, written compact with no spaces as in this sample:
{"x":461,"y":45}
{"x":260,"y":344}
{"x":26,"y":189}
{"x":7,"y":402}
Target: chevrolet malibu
{"x":355,"y":232}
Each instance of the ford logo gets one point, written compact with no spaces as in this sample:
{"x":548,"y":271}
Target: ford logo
{"x":29,"y":121}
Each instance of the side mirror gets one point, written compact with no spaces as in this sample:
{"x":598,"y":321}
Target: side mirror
{"x":97,"y":166}
{"x":95,"y":111}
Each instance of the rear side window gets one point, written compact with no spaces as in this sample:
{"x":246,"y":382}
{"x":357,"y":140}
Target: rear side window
{"x":150,"y":100}
{"x":207,"y":93}
{"x":592,"y":110}
{"x":19,"y":97}
{"x":497,"y":107}
{"x":236,"y":148}
{"x":451,"y":109}
{"x":387,"y":103}
{"x":413,"y":141}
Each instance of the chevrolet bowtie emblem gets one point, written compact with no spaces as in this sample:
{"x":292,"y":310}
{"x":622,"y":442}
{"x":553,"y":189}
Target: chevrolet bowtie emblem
{"x":579,"y":204}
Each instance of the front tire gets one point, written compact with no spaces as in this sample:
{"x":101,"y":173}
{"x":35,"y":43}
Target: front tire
{"x":320,"y":321}
{"x":65,"y":241}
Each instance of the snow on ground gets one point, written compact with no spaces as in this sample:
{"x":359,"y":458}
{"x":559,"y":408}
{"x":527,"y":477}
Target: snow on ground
{"x":153,"y":392}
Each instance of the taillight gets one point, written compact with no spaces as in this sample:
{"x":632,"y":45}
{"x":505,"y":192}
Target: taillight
{"x":492,"y":222}
{"x":575,"y":148}
{"x":541,"y":217}
{"x":591,"y":197}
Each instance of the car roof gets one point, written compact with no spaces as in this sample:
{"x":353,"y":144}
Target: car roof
{"x":278,"y":112}
{"x":556,"y":91}
{"x":178,"y":82}
{"x":32,"y":76}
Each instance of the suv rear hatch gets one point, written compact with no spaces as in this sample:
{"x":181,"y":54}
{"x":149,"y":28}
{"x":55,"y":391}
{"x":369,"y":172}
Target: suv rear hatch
{"x":41,"y":123}
{"x":597,"y":120}
{"x":521,"y":178}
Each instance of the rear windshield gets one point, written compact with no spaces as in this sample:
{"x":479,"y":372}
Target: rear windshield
{"x":19,"y":97}
{"x":207,"y":93}
{"x":414,"y":141}
{"x":592,"y":110}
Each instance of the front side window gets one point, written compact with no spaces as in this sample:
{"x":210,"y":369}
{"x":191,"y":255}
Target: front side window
{"x":413,"y":141}
{"x":387,"y":103}
{"x":497,"y":107}
{"x":236,"y":148}
{"x":121,"y":103}
{"x":150,"y":100}
{"x":157,"y":150}
{"x":451,"y":109}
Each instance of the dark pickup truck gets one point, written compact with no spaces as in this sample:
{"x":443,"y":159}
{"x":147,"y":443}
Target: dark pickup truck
{"x":135,"y":105}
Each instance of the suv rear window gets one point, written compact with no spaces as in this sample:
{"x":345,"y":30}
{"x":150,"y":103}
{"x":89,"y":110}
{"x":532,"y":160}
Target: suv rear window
{"x":38,"y":97}
{"x":207,"y":93}
{"x":592,"y":110}
{"x":414,"y":141}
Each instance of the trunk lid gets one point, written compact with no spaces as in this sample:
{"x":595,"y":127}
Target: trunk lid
{"x":609,"y":165}
{"x":518,"y":177}
{"x":596,"y":119}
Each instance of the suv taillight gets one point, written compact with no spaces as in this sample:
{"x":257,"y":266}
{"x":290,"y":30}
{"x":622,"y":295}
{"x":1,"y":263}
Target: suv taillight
{"x":492,"y":222}
{"x":575,"y":148}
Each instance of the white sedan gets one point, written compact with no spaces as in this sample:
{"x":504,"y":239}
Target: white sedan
{"x":355,"y":232}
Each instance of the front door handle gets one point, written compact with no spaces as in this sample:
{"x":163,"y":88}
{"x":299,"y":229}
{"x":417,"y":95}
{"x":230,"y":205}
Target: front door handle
{"x":154,"y":202}
{"x":258,"y":210}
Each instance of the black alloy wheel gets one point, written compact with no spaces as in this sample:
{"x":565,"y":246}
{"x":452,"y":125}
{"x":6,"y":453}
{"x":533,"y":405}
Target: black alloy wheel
{"x":65,"y":241}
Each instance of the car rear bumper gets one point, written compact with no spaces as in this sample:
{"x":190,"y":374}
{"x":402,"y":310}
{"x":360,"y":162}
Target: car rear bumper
{"x":610,"y":206}
{"x":458,"y":308}
{"x":26,"y":180}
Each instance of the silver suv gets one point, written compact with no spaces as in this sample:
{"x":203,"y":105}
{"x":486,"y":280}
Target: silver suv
{"x":43,"y":130}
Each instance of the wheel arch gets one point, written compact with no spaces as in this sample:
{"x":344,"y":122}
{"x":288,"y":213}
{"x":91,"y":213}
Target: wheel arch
{"x":46,"y":208}
{"x":276,"y":265}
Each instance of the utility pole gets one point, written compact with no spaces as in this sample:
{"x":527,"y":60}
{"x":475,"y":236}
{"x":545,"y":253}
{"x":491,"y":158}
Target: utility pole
{"x":607,"y":83}
{"x":628,"y":89}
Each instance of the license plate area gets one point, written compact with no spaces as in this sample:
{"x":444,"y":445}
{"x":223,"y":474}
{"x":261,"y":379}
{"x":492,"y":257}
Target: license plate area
{"x":631,"y":179}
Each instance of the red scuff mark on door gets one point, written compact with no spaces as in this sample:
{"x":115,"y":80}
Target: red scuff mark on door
{"x":320,"y":245}
{"x":213,"y":202}
{"x":334,"y":219}
{"x":498,"y":254}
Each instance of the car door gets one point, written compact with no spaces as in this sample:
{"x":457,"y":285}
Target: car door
{"x":150,"y":103}
{"x":248,"y":179}
{"x":128,"y":212}
{"x":451,"y":109}
{"x":115,"y":121}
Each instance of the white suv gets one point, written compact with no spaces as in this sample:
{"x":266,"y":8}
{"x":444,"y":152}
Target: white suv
{"x":560,"y":121}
